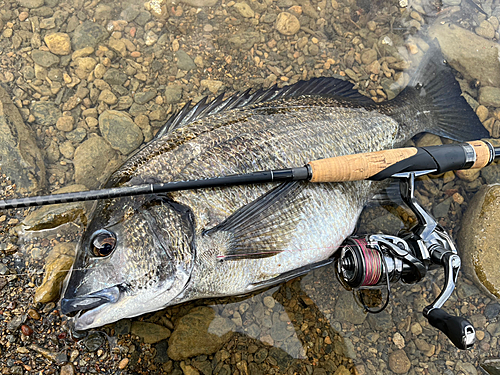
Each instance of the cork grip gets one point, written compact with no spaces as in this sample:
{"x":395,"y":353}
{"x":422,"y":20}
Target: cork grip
{"x":482,"y":154}
{"x":357,"y":167}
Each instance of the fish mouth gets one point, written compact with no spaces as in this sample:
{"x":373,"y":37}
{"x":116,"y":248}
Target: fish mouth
{"x":85,"y":304}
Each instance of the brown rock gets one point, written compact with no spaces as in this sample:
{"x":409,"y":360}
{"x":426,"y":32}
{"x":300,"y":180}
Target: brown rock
{"x":59,"y":261}
{"x":58,"y":43}
{"x":65,"y":123}
{"x":287,"y":24}
{"x":399,"y":362}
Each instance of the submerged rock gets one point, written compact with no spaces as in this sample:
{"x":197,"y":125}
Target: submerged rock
{"x":478,"y":239}
{"x":151,"y":333}
{"x":59,"y":261}
{"x":20,"y":157}
{"x":204,"y":328}
{"x":54,"y":215}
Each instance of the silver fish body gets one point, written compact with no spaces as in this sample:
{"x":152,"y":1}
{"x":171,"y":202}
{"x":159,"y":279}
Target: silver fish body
{"x":141,"y":254}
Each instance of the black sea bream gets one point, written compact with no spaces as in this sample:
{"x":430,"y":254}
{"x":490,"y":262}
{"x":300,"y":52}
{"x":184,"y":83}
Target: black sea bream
{"x":141,"y":254}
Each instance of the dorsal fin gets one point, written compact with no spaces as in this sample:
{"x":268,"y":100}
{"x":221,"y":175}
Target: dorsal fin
{"x":323,"y":86}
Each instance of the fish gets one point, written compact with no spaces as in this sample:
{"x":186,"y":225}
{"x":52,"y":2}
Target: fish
{"x":141,"y":254}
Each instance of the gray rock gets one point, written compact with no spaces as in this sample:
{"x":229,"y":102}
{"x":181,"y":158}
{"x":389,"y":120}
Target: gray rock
{"x":21,"y":158}
{"x":441,"y":209}
{"x":93,"y":341}
{"x":261,"y":355}
{"x":381,"y":321}
{"x":489,"y":96}
{"x":144,"y":97}
{"x":491,"y":174}
{"x":120,"y":131}
{"x":31,"y":4}
{"x":478,"y":239}
{"x":470,"y":54}
{"x":161,"y":352}
{"x":346,"y":309}
{"x":77,"y":135}
{"x":465,"y":290}
{"x":44,"y":58}
{"x":142,"y":18}
{"x":122,"y":327}
{"x":282,"y":358}
{"x":114,"y":77}
{"x":184,"y":61}
{"x":173,"y":94}
{"x":243,"y":40}
{"x":15,"y":322}
{"x":93,"y":162}
{"x":129,"y":13}
{"x":203,"y":327}
{"x":151,"y":333}
{"x":200,"y":3}
{"x":88,"y":34}
{"x":492,"y":310}
{"x":466,"y":367}
{"x":491,"y":366}
{"x":279,"y":331}
{"x":46,"y":113}
{"x":399,"y":362}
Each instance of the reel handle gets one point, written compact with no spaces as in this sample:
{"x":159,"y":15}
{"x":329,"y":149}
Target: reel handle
{"x":459,"y":330}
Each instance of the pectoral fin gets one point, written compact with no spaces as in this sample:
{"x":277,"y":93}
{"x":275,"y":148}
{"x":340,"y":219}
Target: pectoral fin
{"x":262,"y":228}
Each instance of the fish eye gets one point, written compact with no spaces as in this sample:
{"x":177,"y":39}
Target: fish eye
{"x":103,"y":243}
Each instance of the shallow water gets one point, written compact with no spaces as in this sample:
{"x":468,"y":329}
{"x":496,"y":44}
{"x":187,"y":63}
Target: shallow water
{"x":181,"y":52}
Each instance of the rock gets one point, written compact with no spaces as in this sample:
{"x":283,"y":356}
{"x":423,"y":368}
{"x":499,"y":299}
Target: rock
{"x":88,"y":34}
{"x":44,"y":58}
{"x":173,"y":94}
{"x":468,"y":174}
{"x":244,"y":40}
{"x":429,"y":140}
{"x":200,"y":3}
{"x":57,"y":357}
{"x":93,"y":341}
{"x":120,"y":131}
{"x":142,"y":18}
{"x":346,"y":309}
{"x":103,"y":12}
{"x":122,"y":327}
{"x":31,"y":4}
{"x":118,"y":46}
{"x":94,"y":162}
{"x":381,"y":321}
{"x":58,"y":263}
{"x":52,"y":216}
{"x":470,"y":54}
{"x":492,"y":311}
{"x":212,"y":85}
{"x":399,"y":362}
{"x":491,"y":174}
{"x":65,"y":123}
{"x":184,"y":61}
{"x":441,"y":209}
{"x":478,"y":240}
{"x":108,"y":97}
{"x":151,"y":333}
{"x":77,"y":135}
{"x":201,"y":326}
{"x":491,"y":365}
{"x":245,"y":10}
{"x":46,"y":113}
{"x":466,"y":368}
{"x":47,"y":23}
{"x":151,"y":38}
{"x":489,"y":96}
{"x":83,"y":52}
{"x":161,"y":352}
{"x":144,"y":97}
{"x":287,"y":24}
{"x":114,"y":77}
{"x":20,"y":156}
{"x":58,"y":43}
{"x":84,"y":66}
{"x":129,"y":13}
{"x":68,"y":369}
{"x":486,"y":30}
{"x":369,"y":56}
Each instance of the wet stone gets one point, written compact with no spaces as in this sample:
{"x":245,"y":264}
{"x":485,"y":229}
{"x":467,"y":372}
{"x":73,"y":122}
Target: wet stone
{"x":31,"y":4}
{"x":142,"y":18}
{"x":58,"y":43}
{"x":114,"y":77}
{"x":77,"y":135}
{"x":120,"y":131}
{"x":184,"y":61}
{"x":161,"y":352}
{"x":399,"y":362}
{"x":287,"y":23}
{"x":282,"y":358}
{"x":173,"y":94}
{"x":44,"y":58}
{"x":492,"y":310}
{"x":46,"y":113}
{"x":88,"y":34}
{"x":93,"y":341}
{"x":346,"y":309}
{"x":381,"y":321}
{"x":261,"y":355}
{"x":122,"y":327}
{"x":491,"y":174}
{"x":15,"y":322}
{"x":129,"y":13}
{"x":151,"y":333}
{"x":144,"y":97}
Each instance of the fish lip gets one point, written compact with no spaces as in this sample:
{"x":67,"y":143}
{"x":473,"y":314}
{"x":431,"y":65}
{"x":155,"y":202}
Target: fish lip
{"x":91,"y":301}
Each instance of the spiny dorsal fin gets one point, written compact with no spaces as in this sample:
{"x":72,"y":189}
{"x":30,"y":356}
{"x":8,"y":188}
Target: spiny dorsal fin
{"x":324,"y":86}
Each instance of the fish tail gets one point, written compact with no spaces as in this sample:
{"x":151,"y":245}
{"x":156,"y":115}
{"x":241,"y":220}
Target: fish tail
{"x":435,"y":99}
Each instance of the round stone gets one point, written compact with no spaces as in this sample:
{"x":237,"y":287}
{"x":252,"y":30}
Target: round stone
{"x":58,"y":43}
{"x":399,"y":362}
{"x":120,"y":131}
{"x":287,"y":24}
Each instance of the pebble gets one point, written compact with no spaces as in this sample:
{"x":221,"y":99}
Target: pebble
{"x":468,"y":174}
{"x":120,"y":131}
{"x":287,"y":24}
{"x":65,"y":123}
{"x":67,"y":369}
{"x":44,"y":58}
{"x":26,"y":330}
{"x":398,"y":340}
{"x":489,"y":96}
{"x":149,"y":332}
{"x":31,"y":4}
{"x":244,"y":9}
{"x":32,"y":313}
{"x":486,"y":30}
{"x":399,"y":362}
{"x":123,"y":363}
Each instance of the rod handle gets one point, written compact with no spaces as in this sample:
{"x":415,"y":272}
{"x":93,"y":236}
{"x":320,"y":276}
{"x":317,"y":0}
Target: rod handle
{"x":358,"y":166}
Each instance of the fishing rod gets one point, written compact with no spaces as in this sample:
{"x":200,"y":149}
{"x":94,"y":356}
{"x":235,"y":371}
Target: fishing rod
{"x":376,"y":166}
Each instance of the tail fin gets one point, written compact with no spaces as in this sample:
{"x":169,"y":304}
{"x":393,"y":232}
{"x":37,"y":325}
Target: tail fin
{"x":451,"y":115}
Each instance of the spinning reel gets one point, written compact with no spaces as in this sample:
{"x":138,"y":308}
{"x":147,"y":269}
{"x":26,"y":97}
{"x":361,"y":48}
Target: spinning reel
{"x":376,"y":260}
